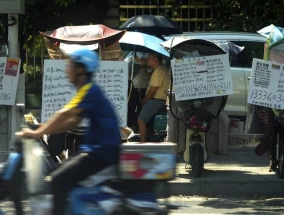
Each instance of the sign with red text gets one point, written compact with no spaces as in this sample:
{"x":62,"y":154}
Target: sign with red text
{"x":9,"y":77}
{"x":266,"y":86}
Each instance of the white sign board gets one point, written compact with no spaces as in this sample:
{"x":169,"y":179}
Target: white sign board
{"x":9,"y":77}
{"x":112,"y":76}
{"x":266,"y":86}
{"x":12,"y":6}
{"x":202,"y":77}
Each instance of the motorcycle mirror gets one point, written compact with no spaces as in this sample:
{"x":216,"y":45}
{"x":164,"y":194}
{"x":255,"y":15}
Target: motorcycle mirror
{"x":20,"y":108}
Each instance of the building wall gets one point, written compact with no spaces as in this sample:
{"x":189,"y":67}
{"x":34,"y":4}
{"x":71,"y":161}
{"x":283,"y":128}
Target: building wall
{"x":189,"y":17}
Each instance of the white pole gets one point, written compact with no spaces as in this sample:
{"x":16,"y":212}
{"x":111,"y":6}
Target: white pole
{"x":15,"y":119}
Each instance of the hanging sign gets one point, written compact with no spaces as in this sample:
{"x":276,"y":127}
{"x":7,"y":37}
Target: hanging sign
{"x":112,"y":76}
{"x":9,"y":77}
{"x":266,"y":86}
{"x":201,"y":77}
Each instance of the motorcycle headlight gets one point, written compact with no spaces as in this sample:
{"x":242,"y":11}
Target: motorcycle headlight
{"x":197,"y":104}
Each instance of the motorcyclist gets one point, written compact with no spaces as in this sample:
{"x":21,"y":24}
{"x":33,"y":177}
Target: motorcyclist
{"x":102,"y":139}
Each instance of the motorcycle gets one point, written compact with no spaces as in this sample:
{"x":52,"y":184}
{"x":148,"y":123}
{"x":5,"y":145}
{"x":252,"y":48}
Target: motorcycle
{"x":126,"y":188}
{"x":195,"y":114}
{"x":197,"y":121}
{"x":277,"y":150}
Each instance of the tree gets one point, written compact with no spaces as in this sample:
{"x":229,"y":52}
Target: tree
{"x":42,"y":15}
{"x":174,"y":5}
{"x":244,"y":15}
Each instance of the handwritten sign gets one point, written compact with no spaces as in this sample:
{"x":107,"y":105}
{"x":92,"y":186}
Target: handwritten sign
{"x":113,"y":79}
{"x":9,"y":77}
{"x":57,"y":91}
{"x":266,"y":86}
{"x":202,"y":77}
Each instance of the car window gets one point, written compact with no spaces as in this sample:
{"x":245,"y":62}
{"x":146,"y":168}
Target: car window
{"x":251,"y":50}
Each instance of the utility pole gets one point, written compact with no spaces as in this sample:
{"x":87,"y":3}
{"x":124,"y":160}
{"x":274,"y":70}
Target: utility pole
{"x":15,"y":119}
{"x":12,"y":8}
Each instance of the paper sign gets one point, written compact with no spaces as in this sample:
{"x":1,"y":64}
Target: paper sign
{"x":202,"y":77}
{"x":113,"y":79}
{"x":112,"y":76}
{"x":56,"y":90}
{"x":9,"y":77}
{"x":266,"y":86}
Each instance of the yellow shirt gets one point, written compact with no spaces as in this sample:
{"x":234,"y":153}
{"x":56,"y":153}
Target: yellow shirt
{"x":161,"y":79}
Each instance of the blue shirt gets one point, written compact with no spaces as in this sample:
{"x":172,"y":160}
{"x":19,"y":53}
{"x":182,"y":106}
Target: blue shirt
{"x":103,"y":135}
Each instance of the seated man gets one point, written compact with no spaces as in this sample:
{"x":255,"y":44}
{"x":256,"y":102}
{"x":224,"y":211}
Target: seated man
{"x":155,"y":97}
{"x":101,"y":147}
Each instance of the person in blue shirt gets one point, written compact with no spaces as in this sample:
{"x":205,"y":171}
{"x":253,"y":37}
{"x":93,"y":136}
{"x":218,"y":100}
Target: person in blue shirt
{"x":101,"y":147}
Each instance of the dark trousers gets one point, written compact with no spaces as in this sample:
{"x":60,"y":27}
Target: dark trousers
{"x":68,"y":175}
{"x":73,"y":142}
{"x":277,"y":129}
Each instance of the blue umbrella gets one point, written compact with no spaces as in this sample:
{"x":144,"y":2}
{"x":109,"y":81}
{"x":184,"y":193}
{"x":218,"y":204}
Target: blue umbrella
{"x":139,"y":42}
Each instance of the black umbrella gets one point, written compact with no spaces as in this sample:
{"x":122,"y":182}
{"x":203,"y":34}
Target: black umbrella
{"x":150,"y":24}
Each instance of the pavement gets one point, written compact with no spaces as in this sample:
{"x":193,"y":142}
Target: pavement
{"x":221,"y":205}
{"x":238,"y":173}
{"x":236,"y":183}
{"x":187,"y":205}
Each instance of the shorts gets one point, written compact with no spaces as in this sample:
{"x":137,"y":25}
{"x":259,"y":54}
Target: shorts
{"x":150,"y":108}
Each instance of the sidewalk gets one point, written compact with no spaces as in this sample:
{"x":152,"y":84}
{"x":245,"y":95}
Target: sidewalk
{"x":238,"y":173}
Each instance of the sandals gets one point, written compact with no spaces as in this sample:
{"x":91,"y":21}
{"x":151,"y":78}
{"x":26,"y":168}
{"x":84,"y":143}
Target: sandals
{"x":261,"y":148}
{"x":273,"y":166}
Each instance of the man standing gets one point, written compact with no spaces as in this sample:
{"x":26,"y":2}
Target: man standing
{"x":155,"y":97}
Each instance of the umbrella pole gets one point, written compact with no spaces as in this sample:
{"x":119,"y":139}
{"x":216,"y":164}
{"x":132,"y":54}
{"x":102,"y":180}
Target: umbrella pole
{"x":100,"y":51}
{"x":133,"y":59}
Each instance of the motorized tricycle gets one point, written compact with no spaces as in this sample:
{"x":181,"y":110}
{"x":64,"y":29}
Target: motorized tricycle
{"x":277,"y":143}
{"x":193,"y":116}
{"x":127,"y":188}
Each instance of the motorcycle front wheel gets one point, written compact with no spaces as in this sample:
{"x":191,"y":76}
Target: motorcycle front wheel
{"x":197,"y":160}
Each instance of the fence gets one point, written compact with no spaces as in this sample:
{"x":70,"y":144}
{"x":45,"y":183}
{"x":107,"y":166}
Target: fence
{"x":189,"y":17}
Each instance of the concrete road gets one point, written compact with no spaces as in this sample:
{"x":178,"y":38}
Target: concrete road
{"x":212,"y":205}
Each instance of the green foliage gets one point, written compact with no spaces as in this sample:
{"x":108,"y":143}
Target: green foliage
{"x":172,"y":13}
{"x":169,"y":2}
{"x":244,"y":15}
{"x":47,"y":15}
{"x":43,"y":15}
{"x":64,"y":3}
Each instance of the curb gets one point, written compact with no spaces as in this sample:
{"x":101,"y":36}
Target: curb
{"x":225,"y":188}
